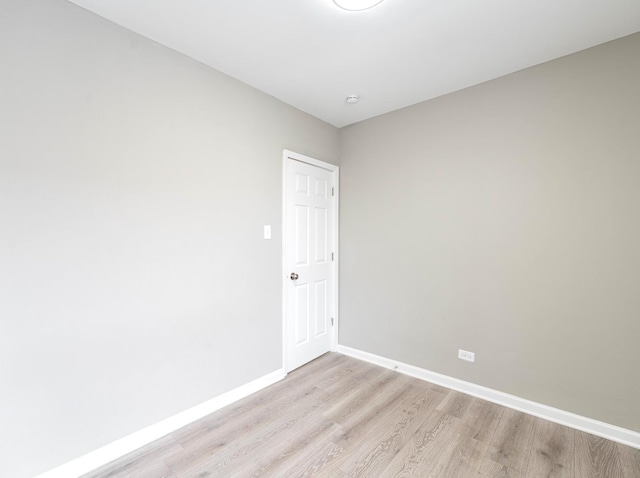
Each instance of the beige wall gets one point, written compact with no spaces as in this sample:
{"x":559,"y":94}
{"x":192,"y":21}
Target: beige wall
{"x":505,"y":220}
{"x":134,"y":184}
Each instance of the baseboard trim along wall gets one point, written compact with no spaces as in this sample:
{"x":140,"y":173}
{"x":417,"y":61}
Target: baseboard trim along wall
{"x":588,"y":425}
{"x":138,"y":439}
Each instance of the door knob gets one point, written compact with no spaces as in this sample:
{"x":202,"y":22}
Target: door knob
{"x":294,"y":276}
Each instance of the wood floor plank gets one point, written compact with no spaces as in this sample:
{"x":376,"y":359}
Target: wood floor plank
{"x":156,"y":469}
{"x":481,"y":420}
{"x":145,"y":462}
{"x":511,"y":443}
{"x":491,"y":469}
{"x":325,"y":463}
{"x":359,"y":422}
{"x":431,"y":440}
{"x":291,"y":454}
{"x":272,"y":399}
{"x":336,"y":386}
{"x":221,"y":430}
{"x":300,"y":459}
{"x":338,"y":417}
{"x":350,"y":406}
{"x":596,"y":457}
{"x":464,"y":459}
{"x":326,"y":377}
{"x":630,"y":461}
{"x":552,"y":451}
{"x":324,"y":364}
{"x":224,"y":457}
{"x":356,"y":413}
{"x":372,"y":456}
{"x":456,"y":404}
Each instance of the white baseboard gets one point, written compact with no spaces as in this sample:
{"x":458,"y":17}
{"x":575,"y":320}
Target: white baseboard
{"x":588,"y":425}
{"x":138,"y":439}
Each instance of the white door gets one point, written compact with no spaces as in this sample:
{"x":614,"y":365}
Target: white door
{"x":310,"y":239}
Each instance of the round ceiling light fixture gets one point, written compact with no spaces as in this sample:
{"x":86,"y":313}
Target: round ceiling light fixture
{"x":356,"y":5}
{"x":352,"y":99}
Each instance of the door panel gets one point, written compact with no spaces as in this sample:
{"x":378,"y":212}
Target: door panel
{"x":309,"y":242}
{"x":321,"y":235}
{"x":302,"y":314}
{"x":322,"y":318}
{"x":301,"y":225}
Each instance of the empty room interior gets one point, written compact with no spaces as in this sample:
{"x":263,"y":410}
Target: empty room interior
{"x":319,"y":238}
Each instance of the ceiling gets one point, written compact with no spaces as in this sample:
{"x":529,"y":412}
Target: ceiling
{"x":312,"y":55}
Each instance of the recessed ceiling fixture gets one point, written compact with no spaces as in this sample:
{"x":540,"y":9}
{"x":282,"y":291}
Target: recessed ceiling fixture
{"x":356,"y":5}
{"x":352,"y":99}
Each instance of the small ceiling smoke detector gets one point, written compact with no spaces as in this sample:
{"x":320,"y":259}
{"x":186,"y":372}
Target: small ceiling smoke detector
{"x":352,"y":99}
{"x":356,"y":5}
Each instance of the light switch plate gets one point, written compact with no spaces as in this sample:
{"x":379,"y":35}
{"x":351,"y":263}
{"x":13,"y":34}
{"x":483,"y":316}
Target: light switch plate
{"x":267,"y":231}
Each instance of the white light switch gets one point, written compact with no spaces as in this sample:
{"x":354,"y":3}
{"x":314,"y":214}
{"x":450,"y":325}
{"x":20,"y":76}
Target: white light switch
{"x":267,"y":232}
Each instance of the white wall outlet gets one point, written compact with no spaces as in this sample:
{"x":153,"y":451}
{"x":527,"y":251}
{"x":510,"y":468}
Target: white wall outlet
{"x":468,"y":356}
{"x":267,"y":232}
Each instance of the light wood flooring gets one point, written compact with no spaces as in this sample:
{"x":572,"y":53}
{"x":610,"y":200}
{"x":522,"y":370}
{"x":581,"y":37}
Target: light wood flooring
{"x":338,"y":417}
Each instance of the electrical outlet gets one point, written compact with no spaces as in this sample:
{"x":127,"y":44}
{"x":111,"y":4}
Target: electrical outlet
{"x":468,"y":356}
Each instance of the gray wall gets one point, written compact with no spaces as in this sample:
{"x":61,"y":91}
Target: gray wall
{"x":134,"y":184}
{"x":505,"y":220}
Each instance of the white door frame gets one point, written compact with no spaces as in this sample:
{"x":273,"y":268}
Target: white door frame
{"x":289,"y":156}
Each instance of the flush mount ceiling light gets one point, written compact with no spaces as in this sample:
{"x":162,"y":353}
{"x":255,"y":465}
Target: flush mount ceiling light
{"x":356,"y":5}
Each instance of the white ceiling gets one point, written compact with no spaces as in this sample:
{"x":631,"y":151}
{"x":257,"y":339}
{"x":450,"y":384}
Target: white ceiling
{"x":312,"y":55}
